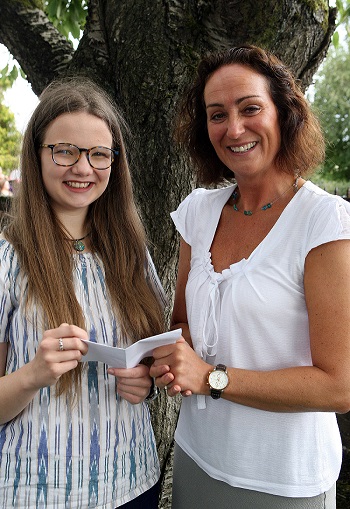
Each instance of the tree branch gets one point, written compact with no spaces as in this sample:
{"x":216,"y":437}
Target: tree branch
{"x":93,"y":55}
{"x":22,"y":23}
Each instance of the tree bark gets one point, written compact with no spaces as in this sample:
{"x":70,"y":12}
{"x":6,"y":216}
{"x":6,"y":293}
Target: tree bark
{"x":144,"y":53}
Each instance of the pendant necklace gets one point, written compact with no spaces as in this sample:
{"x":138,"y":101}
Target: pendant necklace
{"x":78,"y":245}
{"x":267,"y":205}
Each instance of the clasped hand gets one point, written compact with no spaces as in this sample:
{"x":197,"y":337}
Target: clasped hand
{"x":178,"y":368}
{"x":132,"y":384}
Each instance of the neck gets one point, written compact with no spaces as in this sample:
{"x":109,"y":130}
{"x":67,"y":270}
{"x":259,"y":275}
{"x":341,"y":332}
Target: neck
{"x":264,"y":200}
{"x":74,"y":225}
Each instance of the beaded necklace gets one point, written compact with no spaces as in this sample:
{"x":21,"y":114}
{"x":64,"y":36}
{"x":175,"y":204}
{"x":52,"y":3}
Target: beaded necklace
{"x":268,"y":205}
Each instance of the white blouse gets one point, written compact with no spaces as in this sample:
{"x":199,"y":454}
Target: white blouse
{"x":253,"y":316}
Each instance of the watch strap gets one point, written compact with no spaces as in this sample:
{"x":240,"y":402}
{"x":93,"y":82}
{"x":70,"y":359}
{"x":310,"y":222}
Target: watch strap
{"x":215,"y":394}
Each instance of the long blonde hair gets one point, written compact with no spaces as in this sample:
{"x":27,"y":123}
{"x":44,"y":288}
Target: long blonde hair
{"x":117,"y":234}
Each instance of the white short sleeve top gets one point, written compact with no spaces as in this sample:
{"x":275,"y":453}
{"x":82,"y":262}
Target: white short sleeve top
{"x":253,"y":316}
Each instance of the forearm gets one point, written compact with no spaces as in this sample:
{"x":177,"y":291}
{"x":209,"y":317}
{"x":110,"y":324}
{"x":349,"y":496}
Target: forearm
{"x":16,"y":392}
{"x":296,"y":389}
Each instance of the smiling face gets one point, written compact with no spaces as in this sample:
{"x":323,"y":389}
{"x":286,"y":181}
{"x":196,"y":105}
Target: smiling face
{"x":74,"y":187}
{"x":242,"y":120}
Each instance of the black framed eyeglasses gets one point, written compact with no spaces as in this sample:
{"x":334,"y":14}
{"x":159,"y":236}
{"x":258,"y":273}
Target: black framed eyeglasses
{"x":66,"y":154}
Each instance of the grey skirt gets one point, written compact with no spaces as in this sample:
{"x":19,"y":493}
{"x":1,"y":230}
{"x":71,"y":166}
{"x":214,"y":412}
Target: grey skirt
{"x":194,"y":489}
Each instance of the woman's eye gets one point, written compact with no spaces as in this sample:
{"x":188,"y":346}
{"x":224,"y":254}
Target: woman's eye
{"x":100,"y":154}
{"x":64,"y":152}
{"x":251,"y":110}
{"x":216,"y":117}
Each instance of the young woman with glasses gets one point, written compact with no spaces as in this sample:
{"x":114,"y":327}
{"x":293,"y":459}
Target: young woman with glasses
{"x":74,"y":265}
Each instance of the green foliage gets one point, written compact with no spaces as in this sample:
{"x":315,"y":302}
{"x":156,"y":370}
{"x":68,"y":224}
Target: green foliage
{"x":9,"y":74}
{"x":10,"y":140}
{"x":332,"y":104}
{"x":68,"y":16}
{"x":343,"y":20}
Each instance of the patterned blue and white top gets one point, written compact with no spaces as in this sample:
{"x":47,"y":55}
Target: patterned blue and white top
{"x":101,"y":452}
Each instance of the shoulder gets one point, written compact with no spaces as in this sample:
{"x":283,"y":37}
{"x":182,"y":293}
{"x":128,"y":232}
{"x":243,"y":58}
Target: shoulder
{"x":200,"y":199}
{"x":322,"y":204}
{"x":9,"y":264}
{"x":319,"y":195}
{"x":7,"y":251}
{"x":202,"y":194}
{"x":327,"y":216}
{"x":198,"y":209}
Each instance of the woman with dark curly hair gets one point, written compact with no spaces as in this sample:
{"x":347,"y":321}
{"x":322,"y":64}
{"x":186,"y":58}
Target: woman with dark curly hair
{"x":262,"y":296}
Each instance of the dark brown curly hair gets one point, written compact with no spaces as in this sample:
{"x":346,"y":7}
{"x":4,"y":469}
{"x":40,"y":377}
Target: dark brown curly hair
{"x":302,"y":142}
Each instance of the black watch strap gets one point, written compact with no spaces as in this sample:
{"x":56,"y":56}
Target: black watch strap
{"x":215,"y":394}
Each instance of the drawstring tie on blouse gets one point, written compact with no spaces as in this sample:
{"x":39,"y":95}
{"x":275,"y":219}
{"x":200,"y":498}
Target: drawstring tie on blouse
{"x":207,"y":348}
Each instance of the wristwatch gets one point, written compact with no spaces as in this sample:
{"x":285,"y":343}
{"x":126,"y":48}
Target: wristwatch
{"x":154,"y":391}
{"x":217,"y":381}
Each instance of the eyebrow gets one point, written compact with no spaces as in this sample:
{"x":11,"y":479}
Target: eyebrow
{"x":238,"y":101}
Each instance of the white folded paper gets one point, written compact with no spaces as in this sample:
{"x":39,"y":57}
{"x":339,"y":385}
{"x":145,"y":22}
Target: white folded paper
{"x":131,"y":356}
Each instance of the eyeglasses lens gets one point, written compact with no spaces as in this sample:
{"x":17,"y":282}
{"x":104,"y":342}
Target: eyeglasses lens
{"x":101,"y":157}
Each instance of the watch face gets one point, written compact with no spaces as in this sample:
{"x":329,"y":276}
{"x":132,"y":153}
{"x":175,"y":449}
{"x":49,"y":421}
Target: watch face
{"x":218,"y":379}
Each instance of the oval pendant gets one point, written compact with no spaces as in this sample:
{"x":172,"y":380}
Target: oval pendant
{"x":79,"y":245}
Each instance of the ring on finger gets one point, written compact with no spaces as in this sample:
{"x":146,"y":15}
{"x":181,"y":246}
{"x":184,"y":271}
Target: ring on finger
{"x":60,"y":345}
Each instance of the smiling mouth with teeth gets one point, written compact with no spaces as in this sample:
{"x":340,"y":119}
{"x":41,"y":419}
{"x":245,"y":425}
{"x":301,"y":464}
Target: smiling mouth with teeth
{"x":79,"y":185}
{"x":243,"y":148}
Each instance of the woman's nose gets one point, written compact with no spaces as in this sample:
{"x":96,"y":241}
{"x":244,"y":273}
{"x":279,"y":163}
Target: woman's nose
{"x":82,"y":166}
{"x":235,"y":126}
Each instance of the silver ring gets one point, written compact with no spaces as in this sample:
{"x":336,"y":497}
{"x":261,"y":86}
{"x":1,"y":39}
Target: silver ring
{"x":60,"y":345}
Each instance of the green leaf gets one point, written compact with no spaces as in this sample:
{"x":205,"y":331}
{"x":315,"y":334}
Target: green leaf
{"x":14,"y":73}
{"x":75,"y":30}
{"x":8,"y":75}
{"x":51,"y":8}
{"x":339,"y":5}
{"x":335,"y":39}
{"x":68,"y":16}
{"x":5,"y":70}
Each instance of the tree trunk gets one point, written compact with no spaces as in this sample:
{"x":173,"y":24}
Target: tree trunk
{"x":144,"y":52}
